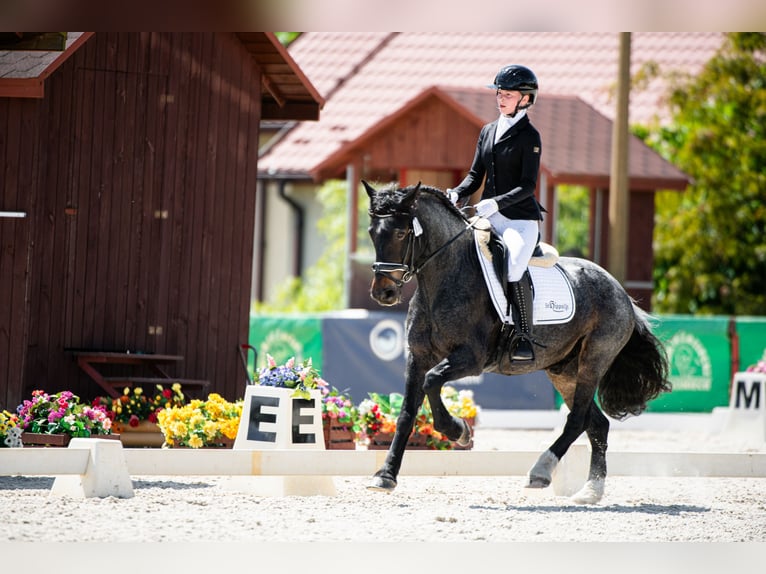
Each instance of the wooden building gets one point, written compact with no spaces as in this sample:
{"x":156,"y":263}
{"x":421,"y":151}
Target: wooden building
{"x":127,"y":200}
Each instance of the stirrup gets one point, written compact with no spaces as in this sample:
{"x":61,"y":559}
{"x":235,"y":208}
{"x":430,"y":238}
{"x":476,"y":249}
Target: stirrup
{"x":527,"y":355}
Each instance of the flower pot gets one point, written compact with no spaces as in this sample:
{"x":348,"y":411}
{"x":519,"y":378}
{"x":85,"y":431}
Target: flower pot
{"x":34,"y":439}
{"x":145,"y":434}
{"x":221,"y":442}
{"x":338,"y":436}
{"x":382,"y":441}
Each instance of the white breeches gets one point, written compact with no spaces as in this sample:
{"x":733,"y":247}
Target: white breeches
{"x":520,"y":236}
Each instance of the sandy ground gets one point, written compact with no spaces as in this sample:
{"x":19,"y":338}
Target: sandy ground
{"x":441,"y":509}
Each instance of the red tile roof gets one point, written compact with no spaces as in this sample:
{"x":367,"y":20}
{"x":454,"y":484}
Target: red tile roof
{"x":368,"y":76}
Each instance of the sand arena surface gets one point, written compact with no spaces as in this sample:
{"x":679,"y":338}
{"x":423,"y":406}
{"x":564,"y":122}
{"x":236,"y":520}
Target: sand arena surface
{"x":178,"y":509}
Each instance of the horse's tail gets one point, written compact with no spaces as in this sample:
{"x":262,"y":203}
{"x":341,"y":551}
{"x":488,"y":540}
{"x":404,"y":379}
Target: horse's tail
{"x":638,"y":374}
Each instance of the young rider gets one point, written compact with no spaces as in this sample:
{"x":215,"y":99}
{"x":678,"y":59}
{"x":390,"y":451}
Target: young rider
{"x":508,"y":155}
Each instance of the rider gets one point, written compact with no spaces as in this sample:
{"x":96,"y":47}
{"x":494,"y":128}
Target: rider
{"x":508,"y":154}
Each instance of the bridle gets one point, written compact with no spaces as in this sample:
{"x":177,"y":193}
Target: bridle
{"x":409,"y":270}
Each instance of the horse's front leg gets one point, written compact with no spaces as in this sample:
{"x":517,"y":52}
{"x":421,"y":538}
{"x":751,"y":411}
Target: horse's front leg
{"x":385,"y":478}
{"x":452,"y":368}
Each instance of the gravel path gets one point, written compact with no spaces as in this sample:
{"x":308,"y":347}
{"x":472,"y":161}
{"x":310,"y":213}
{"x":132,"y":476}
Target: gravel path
{"x":443,"y":509}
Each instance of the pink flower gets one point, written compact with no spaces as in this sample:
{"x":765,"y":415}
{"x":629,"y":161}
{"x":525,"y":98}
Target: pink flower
{"x":271,"y":362}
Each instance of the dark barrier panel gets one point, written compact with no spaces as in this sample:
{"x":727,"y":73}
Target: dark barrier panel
{"x":367,"y":354}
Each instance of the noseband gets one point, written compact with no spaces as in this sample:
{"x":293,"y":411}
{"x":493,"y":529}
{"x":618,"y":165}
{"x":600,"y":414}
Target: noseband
{"x":409,"y":270}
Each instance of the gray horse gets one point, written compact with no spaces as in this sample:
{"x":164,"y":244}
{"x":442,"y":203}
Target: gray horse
{"x":606,"y":350}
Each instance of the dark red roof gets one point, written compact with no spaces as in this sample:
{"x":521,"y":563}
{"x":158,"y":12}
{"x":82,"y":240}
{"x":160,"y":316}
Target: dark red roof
{"x":367,"y":76}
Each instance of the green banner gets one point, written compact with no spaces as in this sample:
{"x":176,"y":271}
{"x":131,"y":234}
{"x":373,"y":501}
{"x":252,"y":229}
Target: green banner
{"x":699,"y":357}
{"x":751,"y":332}
{"x":286,"y":336}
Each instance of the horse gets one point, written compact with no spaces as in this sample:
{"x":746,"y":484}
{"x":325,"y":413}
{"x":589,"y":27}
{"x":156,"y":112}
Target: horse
{"x":604,"y":360}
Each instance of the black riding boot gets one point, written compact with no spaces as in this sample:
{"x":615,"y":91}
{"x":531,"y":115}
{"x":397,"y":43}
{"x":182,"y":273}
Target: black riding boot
{"x":521,"y":293}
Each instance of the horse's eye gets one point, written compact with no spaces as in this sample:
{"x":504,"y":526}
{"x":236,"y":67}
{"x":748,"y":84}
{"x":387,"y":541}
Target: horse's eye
{"x":400,"y":233}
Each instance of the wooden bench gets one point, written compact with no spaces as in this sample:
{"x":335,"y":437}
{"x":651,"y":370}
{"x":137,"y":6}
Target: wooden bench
{"x":141,"y":364}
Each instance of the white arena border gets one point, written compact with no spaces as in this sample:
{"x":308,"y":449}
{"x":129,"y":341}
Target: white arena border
{"x":101,"y":468}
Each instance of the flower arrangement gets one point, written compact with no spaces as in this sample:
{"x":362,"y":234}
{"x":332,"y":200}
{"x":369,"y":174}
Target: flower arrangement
{"x":378,"y":414}
{"x":302,"y":377}
{"x":9,"y":429}
{"x":62,"y":413}
{"x":339,"y":408}
{"x":200,"y":423}
{"x":134,"y":405}
{"x":759,"y":367}
{"x":460,"y":403}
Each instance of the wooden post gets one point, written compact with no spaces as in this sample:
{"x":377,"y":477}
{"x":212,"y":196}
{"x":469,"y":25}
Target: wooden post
{"x":618,"y":180}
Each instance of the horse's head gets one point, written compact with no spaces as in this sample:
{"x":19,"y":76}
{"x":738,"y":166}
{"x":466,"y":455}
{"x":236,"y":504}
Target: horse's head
{"x":397,"y":233}
{"x":392,"y":234}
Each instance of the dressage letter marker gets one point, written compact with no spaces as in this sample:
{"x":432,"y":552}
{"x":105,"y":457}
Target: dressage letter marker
{"x":273,"y":418}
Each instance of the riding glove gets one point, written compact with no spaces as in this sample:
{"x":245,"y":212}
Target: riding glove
{"x":486,"y":207}
{"x":453,"y":196}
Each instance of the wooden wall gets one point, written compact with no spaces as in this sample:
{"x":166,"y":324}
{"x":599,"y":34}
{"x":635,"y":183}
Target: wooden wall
{"x":145,"y":181}
{"x":18,"y":119}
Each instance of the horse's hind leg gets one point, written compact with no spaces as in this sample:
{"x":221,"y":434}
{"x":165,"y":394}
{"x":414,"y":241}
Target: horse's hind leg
{"x":598,"y":429}
{"x":578,"y":420}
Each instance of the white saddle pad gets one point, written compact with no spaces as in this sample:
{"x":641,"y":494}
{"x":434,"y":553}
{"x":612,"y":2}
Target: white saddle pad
{"x":553,"y":297}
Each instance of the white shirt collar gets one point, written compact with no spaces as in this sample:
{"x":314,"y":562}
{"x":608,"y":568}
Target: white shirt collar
{"x":504,"y":123}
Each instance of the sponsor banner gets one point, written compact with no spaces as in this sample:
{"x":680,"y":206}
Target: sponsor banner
{"x":699,"y":358}
{"x":751,"y":332}
{"x":286,"y":336}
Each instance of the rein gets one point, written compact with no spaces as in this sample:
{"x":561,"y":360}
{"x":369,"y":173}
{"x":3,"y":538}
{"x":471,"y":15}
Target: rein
{"x":408,"y":271}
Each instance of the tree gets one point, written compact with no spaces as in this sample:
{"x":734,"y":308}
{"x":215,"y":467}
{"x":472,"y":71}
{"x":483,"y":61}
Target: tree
{"x":710,"y":253}
{"x":322,"y":287}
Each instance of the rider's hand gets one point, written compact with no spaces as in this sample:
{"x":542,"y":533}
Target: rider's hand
{"x":453,"y":196}
{"x":486,"y":207}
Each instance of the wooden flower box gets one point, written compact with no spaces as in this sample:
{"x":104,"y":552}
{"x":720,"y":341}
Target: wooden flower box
{"x":34,"y":439}
{"x":382,"y":441}
{"x":146,"y":434}
{"x":338,"y":436}
{"x":222,"y":442}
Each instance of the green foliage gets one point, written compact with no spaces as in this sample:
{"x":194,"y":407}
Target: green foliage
{"x":710,"y":253}
{"x":322,"y":287}
{"x":285,"y":38}
{"x":572,"y":220}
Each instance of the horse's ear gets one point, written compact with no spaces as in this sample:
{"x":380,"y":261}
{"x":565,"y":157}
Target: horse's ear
{"x":411,"y":199}
{"x":369,"y":189}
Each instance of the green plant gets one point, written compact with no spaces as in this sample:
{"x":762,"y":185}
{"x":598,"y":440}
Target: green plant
{"x":9,"y":422}
{"x":378,"y":413}
{"x":200,"y":423}
{"x":338,"y":407}
{"x":301,"y":377}
{"x":134,"y":405}
{"x":62,"y":413}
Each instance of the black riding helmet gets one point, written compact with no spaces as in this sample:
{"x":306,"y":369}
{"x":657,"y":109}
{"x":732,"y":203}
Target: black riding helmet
{"x":517,"y":78}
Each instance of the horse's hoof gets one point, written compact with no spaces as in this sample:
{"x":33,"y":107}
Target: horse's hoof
{"x":382,"y":484}
{"x":538,"y":482}
{"x":591,"y":493}
{"x":466,"y":436}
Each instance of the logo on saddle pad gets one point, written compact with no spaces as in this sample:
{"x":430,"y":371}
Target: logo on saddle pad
{"x":557,"y":307}
{"x":554,"y":299}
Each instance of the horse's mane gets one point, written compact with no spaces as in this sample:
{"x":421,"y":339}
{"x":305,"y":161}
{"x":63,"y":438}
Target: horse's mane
{"x":388,"y":199}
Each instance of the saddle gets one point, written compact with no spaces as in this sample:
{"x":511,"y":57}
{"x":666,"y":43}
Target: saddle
{"x":544,"y":255}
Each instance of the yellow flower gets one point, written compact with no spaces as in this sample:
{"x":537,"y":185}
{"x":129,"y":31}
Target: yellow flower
{"x":195,"y":442}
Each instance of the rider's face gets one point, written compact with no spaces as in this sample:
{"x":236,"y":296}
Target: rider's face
{"x":507,"y":100}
